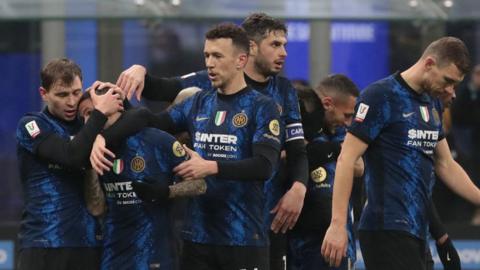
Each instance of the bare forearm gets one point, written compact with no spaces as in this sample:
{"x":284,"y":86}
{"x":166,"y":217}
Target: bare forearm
{"x":359,"y":168}
{"x":455,"y":177}
{"x":94,"y":197}
{"x":342,"y":189}
{"x":188,"y":188}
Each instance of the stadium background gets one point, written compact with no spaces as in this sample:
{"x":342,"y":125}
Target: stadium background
{"x":365,"y":40}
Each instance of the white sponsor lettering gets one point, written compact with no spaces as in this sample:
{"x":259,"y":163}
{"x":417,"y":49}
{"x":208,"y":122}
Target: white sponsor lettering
{"x":228,"y":148}
{"x":423,"y":134}
{"x":118,"y":186}
{"x":215,"y":138}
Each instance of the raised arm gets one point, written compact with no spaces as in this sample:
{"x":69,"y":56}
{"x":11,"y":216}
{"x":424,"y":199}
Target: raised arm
{"x":136,"y":81}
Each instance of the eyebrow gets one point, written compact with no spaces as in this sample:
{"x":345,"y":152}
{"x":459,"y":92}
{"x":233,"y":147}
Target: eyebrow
{"x":450,"y":80}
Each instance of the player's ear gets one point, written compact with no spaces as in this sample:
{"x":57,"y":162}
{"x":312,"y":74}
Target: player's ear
{"x":429,"y":62}
{"x":43,"y":93}
{"x":253,"y":48}
{"x":242,"y":60}
{"x":327,"y":103}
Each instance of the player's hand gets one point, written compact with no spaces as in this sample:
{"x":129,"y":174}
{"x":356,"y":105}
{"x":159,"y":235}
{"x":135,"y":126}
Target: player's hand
{"x":195,"y":167}
{"x":151,"y":191}
{"x":288,"y":208}
{"x":97,"y":157}
{"x":132,"y":81}
{"x":334,"y":246}
{"x":110,"y":102}
{"x":448,"y":255}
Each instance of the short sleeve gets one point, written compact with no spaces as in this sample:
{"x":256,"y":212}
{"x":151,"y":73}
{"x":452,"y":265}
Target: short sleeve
{"x":179,"y":113}
{"x":31,"y":131}
{"x":168,"y":152}
{"x":293,"y":120}
{"x":196,"y":79}
{"x":372,"y":114}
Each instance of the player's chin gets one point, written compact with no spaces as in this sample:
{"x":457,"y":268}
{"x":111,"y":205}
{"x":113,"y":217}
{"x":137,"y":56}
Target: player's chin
{"x":276,"y":69}
{"x":69,"y":116}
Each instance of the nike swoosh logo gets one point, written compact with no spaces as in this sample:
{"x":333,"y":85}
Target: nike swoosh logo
{"x":407,"y":114}
{"x":201,"y":118}
{"x":330,"y":155}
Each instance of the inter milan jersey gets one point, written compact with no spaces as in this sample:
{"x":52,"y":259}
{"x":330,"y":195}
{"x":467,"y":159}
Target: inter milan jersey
{"x":285,"y":97}
{"x":320,"y":189}
{"x":55,"y":213}
{"x":224,"y":128}
{"x":401,"y":128}
{"x":138,"y":235}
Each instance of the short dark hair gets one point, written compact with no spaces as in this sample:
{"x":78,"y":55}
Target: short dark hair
{"x":63,"y":70}
{"x":338,"y":83}
{"x":308,"y":98}
{"x":450,"y":50}
{"x":259,"y":25}
{"x":229,"y":30}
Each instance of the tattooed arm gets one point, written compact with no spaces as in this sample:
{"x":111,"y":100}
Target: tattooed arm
{"x":94,"y":197}
{"x":154,"y":192}
{"x":188,"y":188}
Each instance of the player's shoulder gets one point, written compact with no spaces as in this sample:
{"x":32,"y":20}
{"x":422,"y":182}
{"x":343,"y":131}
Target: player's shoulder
{"x":163,"y":142}
{"x":261,"y":99}
{"x":380,"y":89}
{"x":283,"y":84}
{"x":155,"y":136}
{"x":33,"y":120}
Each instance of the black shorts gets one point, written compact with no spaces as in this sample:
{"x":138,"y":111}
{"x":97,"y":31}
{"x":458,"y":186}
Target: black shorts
{"x":392,"y":250}
{"x":212,"y":257}
{"x":59,"y":258}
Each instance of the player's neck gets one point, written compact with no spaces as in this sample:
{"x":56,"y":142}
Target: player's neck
{"x":412,"y":77}
{"x":235,"y":85}
{"x":253,"y":73}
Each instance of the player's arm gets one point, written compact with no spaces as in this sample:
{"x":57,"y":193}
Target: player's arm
{"x":160,"y":192}
{"x":131,"y":122}
{"x":453,"y":175}
{"x":445,"y":248}
{"x":175,"y":117}
{"x":136,"y":80}
{"x":134,"y":120}
{"x":259,"y":167}
{"x":74,"y":153}
{"x":94,"y":196}
{"x":334,"y":245}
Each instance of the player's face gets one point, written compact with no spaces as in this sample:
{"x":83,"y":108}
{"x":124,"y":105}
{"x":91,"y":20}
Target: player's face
{"x":447,"y":99}
{"x":63,"y":100}
{"x":221,"y":60}
{"x":341,"y":113}
{"x":271,"y":53}
{"x":442,"y":80}
{"x":85,"y":108}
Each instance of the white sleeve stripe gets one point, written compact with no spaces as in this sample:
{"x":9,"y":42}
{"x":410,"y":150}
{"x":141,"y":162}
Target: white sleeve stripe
{"x":294,"y":125}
